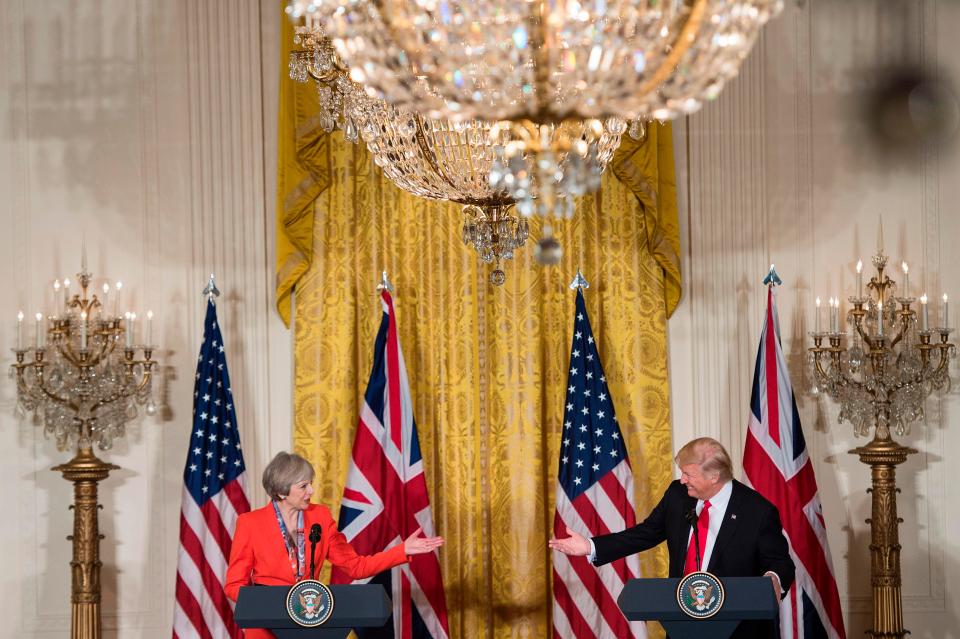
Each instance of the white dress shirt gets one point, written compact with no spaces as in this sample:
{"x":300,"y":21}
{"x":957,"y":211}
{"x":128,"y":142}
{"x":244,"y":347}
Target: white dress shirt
{"x":718,"y":508}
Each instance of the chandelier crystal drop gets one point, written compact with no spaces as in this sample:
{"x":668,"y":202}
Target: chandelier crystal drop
{"x":542,"y":61}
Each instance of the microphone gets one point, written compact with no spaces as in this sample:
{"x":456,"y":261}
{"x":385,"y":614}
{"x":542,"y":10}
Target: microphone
{"x":691,"y":517}
{"x":314,"y":538}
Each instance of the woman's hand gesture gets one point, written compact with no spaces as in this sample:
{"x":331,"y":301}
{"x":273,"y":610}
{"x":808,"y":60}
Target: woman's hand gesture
{"x":417,"y":545}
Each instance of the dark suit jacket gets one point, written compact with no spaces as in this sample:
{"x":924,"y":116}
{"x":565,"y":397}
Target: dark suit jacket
{"x":750,"y":541}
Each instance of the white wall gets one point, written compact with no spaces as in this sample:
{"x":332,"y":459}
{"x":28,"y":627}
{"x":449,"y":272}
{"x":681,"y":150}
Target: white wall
{"x":781,"y":169}
{"x":143,"y":126}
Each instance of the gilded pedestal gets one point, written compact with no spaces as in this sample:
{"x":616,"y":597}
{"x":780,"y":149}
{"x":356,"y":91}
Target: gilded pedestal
{"x":85,"y":470}
{"x":883,"y":456}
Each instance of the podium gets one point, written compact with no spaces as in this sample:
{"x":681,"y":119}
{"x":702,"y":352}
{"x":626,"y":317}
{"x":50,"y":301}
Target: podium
{"x":355,"y":606}
{"x":747,"y":598}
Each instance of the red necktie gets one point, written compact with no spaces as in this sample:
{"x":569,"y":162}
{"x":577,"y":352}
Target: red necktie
{"x":703,"y":525}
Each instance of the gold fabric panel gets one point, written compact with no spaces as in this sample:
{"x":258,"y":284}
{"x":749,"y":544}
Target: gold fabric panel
{"x":487,"y":366}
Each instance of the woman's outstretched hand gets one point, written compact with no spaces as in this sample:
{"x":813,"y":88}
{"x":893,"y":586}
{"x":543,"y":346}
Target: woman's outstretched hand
{"x":417,"y":545}
{"x":575,"y":544}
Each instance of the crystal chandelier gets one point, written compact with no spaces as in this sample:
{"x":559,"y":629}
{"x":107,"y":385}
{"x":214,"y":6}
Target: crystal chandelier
{"x":485,"y":167}
{"x":84,"y":377}
{"x":542,"y":61}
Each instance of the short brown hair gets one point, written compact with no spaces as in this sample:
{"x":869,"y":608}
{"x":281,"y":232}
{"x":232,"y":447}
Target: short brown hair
{"x":709,"y":455}
{"x":284,"y":470}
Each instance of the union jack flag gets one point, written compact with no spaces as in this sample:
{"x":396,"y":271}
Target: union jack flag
{"x":777,"y":465}
{"x":213,"y":497}
{"x":594,"y":497}
{"x":385,"y":499}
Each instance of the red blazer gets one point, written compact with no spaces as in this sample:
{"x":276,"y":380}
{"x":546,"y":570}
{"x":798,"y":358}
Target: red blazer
{"x":258,"y":555}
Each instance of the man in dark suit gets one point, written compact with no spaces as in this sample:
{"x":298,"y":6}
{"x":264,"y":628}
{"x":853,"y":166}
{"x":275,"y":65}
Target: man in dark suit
{"x":739,"y":531}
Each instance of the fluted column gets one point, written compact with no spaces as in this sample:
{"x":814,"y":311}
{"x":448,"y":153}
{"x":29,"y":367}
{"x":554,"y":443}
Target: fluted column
{"x":85,"y":470}
{"x":883,"y":456}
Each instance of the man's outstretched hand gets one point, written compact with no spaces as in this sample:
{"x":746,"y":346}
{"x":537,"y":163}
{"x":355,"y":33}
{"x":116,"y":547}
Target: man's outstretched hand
{"x":575,"y":544}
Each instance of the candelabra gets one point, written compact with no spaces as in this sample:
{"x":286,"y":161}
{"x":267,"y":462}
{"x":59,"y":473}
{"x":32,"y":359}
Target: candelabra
{"x":882,"y":379}
{"x":83,"y":380}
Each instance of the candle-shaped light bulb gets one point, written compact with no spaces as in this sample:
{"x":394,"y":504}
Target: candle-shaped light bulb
{"x":946,"y":312}
{"x":924,"y":318}
{"x":66,"y":295}
{"x":880,"y":237}
{"x":40,"y":336}
{"x":116,"y":297}
{"x":859,"y":278}
{"x":106,"y":295}
{"x":128,"y":329}
{"x":83,"y":255}
{"x":20,"y":330}
{"x":149,"y":328}
{"x":83,"y":330}
{"x":880,"y":319}
{"x":816,"y":319}
{"x":906,"y":280}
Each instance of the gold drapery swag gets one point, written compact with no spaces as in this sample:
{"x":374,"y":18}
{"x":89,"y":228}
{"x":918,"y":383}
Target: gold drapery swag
{"x":487,"y":365}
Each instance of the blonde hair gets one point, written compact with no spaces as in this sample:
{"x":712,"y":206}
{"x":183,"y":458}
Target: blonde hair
{"x":284,"y":470}
{"x":709,"y":455}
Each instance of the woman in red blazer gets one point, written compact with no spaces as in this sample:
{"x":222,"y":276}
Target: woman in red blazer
{"x":270,"y":544}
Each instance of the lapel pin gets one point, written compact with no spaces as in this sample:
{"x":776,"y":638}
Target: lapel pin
{"x":733,"y":516}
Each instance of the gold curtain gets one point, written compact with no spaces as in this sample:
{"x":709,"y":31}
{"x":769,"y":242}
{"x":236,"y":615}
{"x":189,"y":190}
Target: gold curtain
{"x":487,"y":365}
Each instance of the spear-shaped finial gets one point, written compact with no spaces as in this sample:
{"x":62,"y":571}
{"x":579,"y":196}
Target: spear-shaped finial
{"x":772,"y":278}
{"x":385,"y":284}
{"x":211,"y":290}
{"x":579,"y":281}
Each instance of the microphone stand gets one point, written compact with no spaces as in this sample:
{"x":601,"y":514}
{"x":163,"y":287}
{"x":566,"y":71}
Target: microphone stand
{"x":314,"y":538}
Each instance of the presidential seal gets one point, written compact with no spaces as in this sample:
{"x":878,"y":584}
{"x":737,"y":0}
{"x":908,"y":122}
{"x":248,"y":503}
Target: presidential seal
{"x":310,"y":603}
{"x":700,"y":595}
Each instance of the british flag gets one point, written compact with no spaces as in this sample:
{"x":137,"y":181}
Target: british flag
{"x":777,"y":465}
{"x":385,"y":499}
{"x":594,"y":497}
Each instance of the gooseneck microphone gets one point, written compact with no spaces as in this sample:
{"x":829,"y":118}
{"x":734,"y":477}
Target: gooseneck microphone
{"x":314,"y":538}
{"x":691,"y":517}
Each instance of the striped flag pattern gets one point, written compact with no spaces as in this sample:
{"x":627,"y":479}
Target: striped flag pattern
{"x":213,"y":497}
{"x":385,"y":498}
{"x":777,"y":465}
{"x":594,"y":497}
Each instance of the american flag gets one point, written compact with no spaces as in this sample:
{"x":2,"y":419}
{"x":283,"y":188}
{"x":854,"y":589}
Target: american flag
{"x":385,"y":499}
{"x":213,"y":497}
{"x":594,"y":497}
{"x":776,"y":464}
